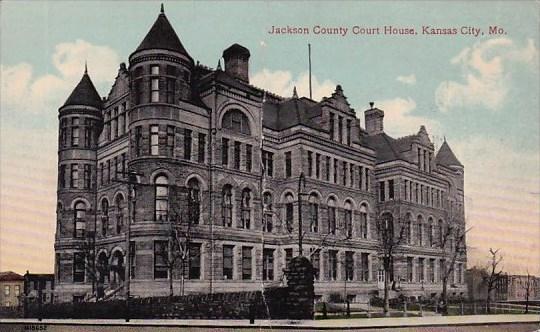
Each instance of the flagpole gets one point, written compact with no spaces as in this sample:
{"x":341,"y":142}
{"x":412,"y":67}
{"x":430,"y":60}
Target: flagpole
{"x":309,"y":58}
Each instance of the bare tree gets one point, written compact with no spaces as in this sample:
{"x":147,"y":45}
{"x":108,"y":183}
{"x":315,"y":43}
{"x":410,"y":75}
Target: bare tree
{"x":494,"y":274}
{"x":390,"y":239}
{"x":453,"y":247}
{"x":527,"y":287}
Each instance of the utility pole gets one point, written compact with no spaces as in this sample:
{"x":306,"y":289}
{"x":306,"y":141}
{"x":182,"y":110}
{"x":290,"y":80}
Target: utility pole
{"x":301,"y":187}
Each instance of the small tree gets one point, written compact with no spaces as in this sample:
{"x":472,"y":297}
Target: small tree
{"x":388,"y":246}
{"x":527,"y":287}
{"x":494,"y":274}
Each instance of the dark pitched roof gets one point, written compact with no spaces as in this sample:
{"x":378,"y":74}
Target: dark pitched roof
{"x":85,"y":93}
{"x":291,"y":112}
{"x":235,"y":49}
{"x":386,"y":147}
{"x":446,"y":157}
{"x":162,"y":36}
{"x":10,"y":276}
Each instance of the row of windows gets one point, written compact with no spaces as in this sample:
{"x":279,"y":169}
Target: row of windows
{"x":117,"y":213}
{"x":116,"y":122}
{"x":348,"y":174}
{"x":425,"y":159}
{"x":160,"y":87}
{"x":240,"y":153}
{"x":71,"y":130}
{"x":425,"y":270}
{"x":412,"y":192}
{"x":112,"y":169}
{"x":337,"y":135}
{"x":16,"y":290}
{"x":72,"y":173}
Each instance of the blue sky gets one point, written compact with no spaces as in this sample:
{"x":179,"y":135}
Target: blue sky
{"x":480,"y":92}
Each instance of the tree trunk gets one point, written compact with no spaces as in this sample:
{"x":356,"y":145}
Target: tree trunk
{"x":527,"y":303}
{"x":182,"y":285}
{"x":488,"y":302}
{"x":386,"y":295}
{"x":444,"y":296}
{"x":171,"y":293}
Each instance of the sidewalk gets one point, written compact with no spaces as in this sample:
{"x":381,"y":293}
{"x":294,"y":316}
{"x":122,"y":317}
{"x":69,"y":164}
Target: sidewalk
{"x":361,"y":323}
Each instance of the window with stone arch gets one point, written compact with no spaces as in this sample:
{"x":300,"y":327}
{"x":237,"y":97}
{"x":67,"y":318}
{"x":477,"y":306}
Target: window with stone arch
{"x":120,"y":204}
{"x":268,"y":223}
{"x":80,"y":222}
{"x":420,"y":229}
{"x":430,"y":232}
{"x":408,"y":228}
{"x":236,"y":121}
{"x":289,"y":212}
{"x":441,"y":232}
{"x":363,"y":221}
{"x":331,"y":204}
{"x":104,"y":216}
{"x":348,"y":216}
{"x":161,"y":184}
{"x":226,"y":205}
{"x":313,"y":205}
{"x":194,"y":201}
{"x":245,"y":209}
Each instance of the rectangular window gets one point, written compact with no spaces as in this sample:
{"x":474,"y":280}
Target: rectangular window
{"x":17,"y":290}
{"x":138,"y":141}
{"x":349,"y":126}
{"x":102,"y":173}
{"x":344,"y":173}
{"x":268,"y":163}
{"x":74,"y":179}
{"x":63,"y":132}
{"x":225,"y":152}
{"x":318,"y":166}
{"x":62,"y":176}
{"x":78,"y":267}
{"x":327,"y":169}
{"x":201,"y":154}
{"x":132,"y":255}
{"x":123,"y":169}
{"x":288,"y":165}
{"x":289,"y":215}
{"x":75,"y":131}
{"x":116,"y":167}
{"x":364,"y":263}
{"x":309,"y":163}
{"x":382,"y":194}
{"x":332,"y":264}
{"x":154,"y":88}
{"x":154,"y":70}
{"x":114,"y":123}
{"x":367,"y":179}
{"x":109,"y":171}
{"x":331,"y":125}
{"x":315,"y":257}
{"x":237,"y":146}
{"x":170,"y":140}
{"x":7,"y":290}
{"x":194,"y":261}
{"x":409,"y":269}
{"x":154,"y":140}
{"x":161,"y":254}
{"x":420,"y":233}
{"x":249,"y":157}
{"x":340,"y":129}
{"x":351,"y":172}
{"x":87,"y":176}
{"x":288,"y":257}
{"x":335,"y":171}
{"x":246,"y":263}
{"x":268,"y":264}
{"x":171,"y":86}
{"x":432,"y":270}
{"x":228,"y":259}
{"x":349,"y":265}
{"x":87,"y":133}
{"x":187,"y":144}
{"x":121,"y":124}
{"x":390,"y":189}
{"x":331,"y":220}
{"x":421,"y":269}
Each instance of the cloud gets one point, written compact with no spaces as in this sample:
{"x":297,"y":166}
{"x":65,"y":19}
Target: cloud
{"x":409,"y":80}
{"x":399,"y":119}
{"x":282,"y":83}
{"x":486,"y":70}
{"x":501,"y":198}
{"x":21,"y":91}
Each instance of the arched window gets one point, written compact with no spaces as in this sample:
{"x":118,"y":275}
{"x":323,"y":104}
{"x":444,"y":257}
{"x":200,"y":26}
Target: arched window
{"x":363,"y":221}
{"x":226,"y":205}
{"x":441,"y":232}
{"x":119,"y":213}
{"x":430,"y":232}
{"x":245,"y":207}
{"x":387,"y":228}
{"x":314,"y":213}
{"x":420,"y":225}
{"x":104,"y":216}
{"x":348,"y":219}
{"x":80,"y":223}
{"x":236,"y":121}
{"x":289,"y":212}
{"x":194,"y":201}
{"x":331,"y":216}
{"x":408,"y":228}
{"x":162,"y":197}
{"x":268,"y":224}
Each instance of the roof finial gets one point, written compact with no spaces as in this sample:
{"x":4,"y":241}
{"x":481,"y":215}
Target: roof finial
{"x":371,"y":104}
{"x":219,"y":64}
{"x":444,"y":137}
{"x":162,"y":9}
{"x":294,"y":92}
{"x":86,"y":67}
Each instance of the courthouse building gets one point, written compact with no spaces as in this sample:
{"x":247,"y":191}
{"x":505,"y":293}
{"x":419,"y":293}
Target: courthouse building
{"x":216,"y":167}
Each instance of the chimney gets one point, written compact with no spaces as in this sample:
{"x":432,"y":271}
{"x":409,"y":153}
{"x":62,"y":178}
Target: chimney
{"x":237,"y":62}
{"x":374,"y":120}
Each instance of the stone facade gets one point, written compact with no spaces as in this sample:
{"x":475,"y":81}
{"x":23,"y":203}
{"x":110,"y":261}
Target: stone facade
{"x":238,"y":152}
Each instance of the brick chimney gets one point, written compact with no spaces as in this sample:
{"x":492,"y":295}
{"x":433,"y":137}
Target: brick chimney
{"x":237,"y":62}
{"x":374,"y":120}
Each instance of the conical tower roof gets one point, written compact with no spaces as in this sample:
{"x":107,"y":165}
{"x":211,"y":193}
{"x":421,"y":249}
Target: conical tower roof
{"x":162,"y":36}
{"x":446,"y":157}
{"x":85,"y":93}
